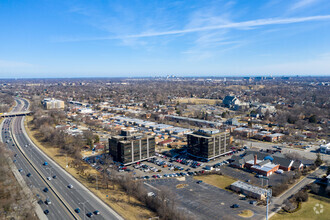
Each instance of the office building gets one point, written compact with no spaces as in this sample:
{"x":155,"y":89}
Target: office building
{"x":131,"y":147}
{"x":208,"y":143}
{"x":51,"y":103}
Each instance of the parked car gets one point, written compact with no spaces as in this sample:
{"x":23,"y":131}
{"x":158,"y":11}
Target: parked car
{"x":48,"y":202}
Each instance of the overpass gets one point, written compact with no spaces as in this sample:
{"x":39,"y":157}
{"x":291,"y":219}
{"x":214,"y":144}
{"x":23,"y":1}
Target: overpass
{"x":13,"y":114}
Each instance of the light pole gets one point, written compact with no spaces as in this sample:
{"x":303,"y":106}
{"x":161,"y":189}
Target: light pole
{"x":269,"y":194}
{"x":83,"y":203}
{"x":97,"y":188}
{"x":50,"y":171}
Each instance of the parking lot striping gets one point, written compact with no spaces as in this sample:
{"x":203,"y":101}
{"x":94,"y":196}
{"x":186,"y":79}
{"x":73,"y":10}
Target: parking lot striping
{"x":151,"y":186}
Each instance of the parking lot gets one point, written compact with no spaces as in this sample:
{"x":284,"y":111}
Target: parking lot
{"x":205,"y":201}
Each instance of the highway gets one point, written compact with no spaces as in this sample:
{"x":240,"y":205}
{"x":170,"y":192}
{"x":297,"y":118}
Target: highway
{"x":64,"y":199}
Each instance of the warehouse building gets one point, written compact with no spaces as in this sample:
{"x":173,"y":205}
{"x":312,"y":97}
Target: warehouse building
{"x":131,"y":147}
{"x":208,"y":143}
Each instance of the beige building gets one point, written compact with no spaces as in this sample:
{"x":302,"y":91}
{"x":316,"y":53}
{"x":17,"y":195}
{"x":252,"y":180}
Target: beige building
{"x":53,"y":103}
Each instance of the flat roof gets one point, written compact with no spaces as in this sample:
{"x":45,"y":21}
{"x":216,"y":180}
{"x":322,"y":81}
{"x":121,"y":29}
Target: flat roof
{"x":250,"y":188}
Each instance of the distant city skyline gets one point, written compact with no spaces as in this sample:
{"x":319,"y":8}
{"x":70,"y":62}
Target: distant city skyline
{"x":72,"y":39}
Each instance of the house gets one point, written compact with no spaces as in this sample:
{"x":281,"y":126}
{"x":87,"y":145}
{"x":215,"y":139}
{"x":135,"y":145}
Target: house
{"x":230,"y":101}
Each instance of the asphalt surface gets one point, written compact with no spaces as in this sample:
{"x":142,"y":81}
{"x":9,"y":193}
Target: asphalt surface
{"x":76,"y":197}
{"x":205,"y":201}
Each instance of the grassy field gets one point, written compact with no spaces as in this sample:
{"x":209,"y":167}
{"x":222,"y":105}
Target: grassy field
{"x":307,"y":210}
{"x":219,"y":181}
{"x":116,"y":198}
{"x":197,"y":101}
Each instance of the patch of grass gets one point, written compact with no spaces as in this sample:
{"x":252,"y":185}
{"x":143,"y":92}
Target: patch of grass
{"x":246,"y":213}
{"x":114,"y":196}
{"x":307,"y":210}
{"x":219,"y":181}
{"x":180,"y":186}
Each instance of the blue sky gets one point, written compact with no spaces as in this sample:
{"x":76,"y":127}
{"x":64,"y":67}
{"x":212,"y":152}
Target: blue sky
{"x":93,"y":38}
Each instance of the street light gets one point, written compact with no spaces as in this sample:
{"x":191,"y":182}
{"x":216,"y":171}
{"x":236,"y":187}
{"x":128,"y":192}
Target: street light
{"x":97,"y":187}
{"x":83,"y":203}
{"x":269,"y":194}
{"x":50,"y":171}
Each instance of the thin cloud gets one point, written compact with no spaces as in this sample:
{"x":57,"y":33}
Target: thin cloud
{"x":230,"y":25}
{"x":302,"y":3}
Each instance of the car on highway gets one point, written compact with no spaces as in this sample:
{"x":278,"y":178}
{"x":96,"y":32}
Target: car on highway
{"x":28,"y":175}
{"x":40,"y":202}
{"x":199,"y":181}
{"x":20,"y":170}
{"x":46,"y":189}
{"x":46,"y":211}
{"x":45,"y":163}
{"x":49,"y":178}
{"x":54,"y":177}
{"x":96,"y":212}
{"x":77,"y":210}
{"x":89,"y":214}
{"x":48,"y":202}
{"x":70,"y":186}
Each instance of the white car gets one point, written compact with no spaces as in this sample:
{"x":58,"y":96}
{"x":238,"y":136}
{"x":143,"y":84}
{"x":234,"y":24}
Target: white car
{"x":49,"y":178}
{"x":70,"y":186}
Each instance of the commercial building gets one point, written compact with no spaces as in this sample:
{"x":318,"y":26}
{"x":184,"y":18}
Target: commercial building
{"x":264,"y":167}
{"x":265,"y":164}
{"x":51,"y":103}
{"x":249,"y":190}
{"x":208,"y":143}
{"x":325,"y":149}
{"x":130,"y":147}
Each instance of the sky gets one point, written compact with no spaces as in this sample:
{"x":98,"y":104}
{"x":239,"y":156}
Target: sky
{"x":128,"y":38}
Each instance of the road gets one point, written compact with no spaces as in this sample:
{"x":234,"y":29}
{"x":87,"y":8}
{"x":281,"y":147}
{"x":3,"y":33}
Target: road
{"x":76,"y":197}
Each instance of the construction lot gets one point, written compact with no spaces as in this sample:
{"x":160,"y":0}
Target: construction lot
{"x":205,"y":201}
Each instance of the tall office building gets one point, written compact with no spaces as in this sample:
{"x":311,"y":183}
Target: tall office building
{"x":131,"y":147}
{"x":208,"y":143}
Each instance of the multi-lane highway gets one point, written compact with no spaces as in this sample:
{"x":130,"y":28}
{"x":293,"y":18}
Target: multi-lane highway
{"x":64,"y":200}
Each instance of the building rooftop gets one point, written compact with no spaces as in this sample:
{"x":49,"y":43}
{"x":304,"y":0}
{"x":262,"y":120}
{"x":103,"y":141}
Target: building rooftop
{"x":251,"y":188}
